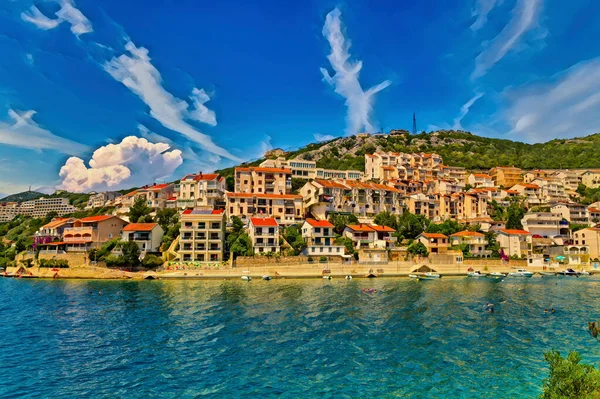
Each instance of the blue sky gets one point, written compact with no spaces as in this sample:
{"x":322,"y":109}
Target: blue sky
{"x":197,"y":85}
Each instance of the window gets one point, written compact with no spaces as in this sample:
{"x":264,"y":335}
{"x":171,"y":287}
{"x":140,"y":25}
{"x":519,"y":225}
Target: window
{"x":317,"y":229}
{"x":231,"y":209}
{"x":245,"y":181}
{"x":201,"y":225}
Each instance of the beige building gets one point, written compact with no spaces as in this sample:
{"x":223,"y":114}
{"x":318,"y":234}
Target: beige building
{"x":589,"y":237}
{"x":259,"y":180}
{"x":156,"y":197}
{"x":531,"y":175}
{"x":545,"y":224}
{"x":382,"y":165}
{"x":202,"y":236}
{"x":436,"y":243}
{"x":100,"y":200}
{"x":285,"y":208}
{"x":8,"y":211}
{"x":551,"y":190}
{"x":202,"y":190}
{"x":304,"y":169}
{"x":91,"y":232}
{"x":570,"y":179}
{"x":40,"y":207}
{"x":515,"y":242}
{"x":591,"y":178}
{"x":264,"y":235}
{"x":506,"y":176}
{"x":479,"y":180}
{"x":148,"y":236}
{"x":531,"y":192}
{"x":475,"y":241}
{"x":572,"y":212}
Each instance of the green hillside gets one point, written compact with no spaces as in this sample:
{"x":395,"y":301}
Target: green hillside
{"x":21,"y":197}
{"x":458,"y":148}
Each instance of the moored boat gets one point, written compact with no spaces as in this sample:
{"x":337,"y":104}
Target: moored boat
{"x":548,"y":274}
{"x":429,"y":276}
{"x":246,"y":278}
{"x":267,"y":278}
{"x":496,"y":275}
{"x":568,"y":272}
{"x":521,"y":273}
{"x":476,"y":273}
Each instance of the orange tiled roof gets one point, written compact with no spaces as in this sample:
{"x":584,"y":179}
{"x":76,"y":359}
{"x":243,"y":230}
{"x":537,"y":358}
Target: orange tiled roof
{"x":383,"y":229}
{"x":467,"y":233}
{"x":515,"y":231}
{"x":264,"y":222}
{"x":433,"y":235}
{"x":483,"y":175}
{"x":96,"y":218}
{"x":359,"y":227}
{"x":319,"y":223}
{"x":140,"y":227}
{"x":330,"y":184}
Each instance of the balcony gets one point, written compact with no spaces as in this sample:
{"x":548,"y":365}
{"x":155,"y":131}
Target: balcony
{"x":266,"y":244}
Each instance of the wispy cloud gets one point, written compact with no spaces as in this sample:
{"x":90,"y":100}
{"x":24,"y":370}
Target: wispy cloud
{"x":464,"y":110}
{"x":67,"y":13}
{"x":524,"y":18}
{"x":133,"y":161}
{"x":25,"y":133}
{"x":480,"y":11}
{"x":323,"y":137}
{"x":345,"y":80}
{"x":566,"y":106}
{"x":137,"y":73}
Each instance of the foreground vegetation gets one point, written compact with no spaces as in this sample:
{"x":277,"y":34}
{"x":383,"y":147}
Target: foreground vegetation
{"x":569,"y":378}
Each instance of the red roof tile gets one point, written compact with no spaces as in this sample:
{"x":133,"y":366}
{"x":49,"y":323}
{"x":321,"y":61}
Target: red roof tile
{"x":319,"y":223}
{"x":467,"y":233}
{"x":140,"y":226}
{"x":515,"y":231}
{"x":433,"y":235}
{"x":100,"y":218}
{"x":383,"y":229}
{"x":264,"y":222}
{"x":359,"y":227}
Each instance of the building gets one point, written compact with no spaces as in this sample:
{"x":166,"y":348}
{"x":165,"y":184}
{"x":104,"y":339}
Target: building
{"x":305,"y":169}
{"x":148,"y":236}
{"x":572,"y":212}
{"x":285,"y":208}
{"x":506,"y":176}
{"x":455,"y":173}
{"x":531,"y":175}
{"x":54,"y":230}
{"x":591,"y":178}
{"x":92,"y":232}
{"x":8,"y":211}
{"x":322,"y":197}
{"x":259,"y":180}
{"x":531,"y":192}
{"x":551,"y":190}
{"x":479,"y":180}
{"x":545,"y":224}
{"x":320,"y":238}
{"x":156,"y":197}
{"x":474,"y":241}
{"x":594,"y":212}
{"x":570,"y":179}
{"x":589,"y":237}
{"x":40,"y":207}
{"x":436,"y":243}
{"x":515,"y":242}
{"x":202,"y":236}
{"x":101,"y":200}
{"x":202,"y":190}
{"x":387,"y":165}
{"x":264,"y":235}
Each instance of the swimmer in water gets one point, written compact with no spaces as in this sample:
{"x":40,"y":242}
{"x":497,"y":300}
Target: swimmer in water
{"x":491,"y":309}
{"x":552,"y":310}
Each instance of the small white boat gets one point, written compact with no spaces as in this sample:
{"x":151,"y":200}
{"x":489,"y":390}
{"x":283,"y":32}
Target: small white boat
{"x":246,"y":278}
{"x":348,"y":277}
{"x":327,"y":277}
{"x":585,"y":273}
{"x":413,"y":276}
{"x":267,"y":278}
{"x":521,"y":273}
{"x":476,"y":273}
{"x":548,"y":274}
{"x":496,"y":275}
{"x":429,"y":276}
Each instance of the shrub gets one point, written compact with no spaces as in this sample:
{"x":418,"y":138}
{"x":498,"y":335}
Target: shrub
{"x":323,"y":259}
{"x":54,"y":263}
{"x":569,"y":378}
{"x":152,"y":261}
{"x":114,"y":261}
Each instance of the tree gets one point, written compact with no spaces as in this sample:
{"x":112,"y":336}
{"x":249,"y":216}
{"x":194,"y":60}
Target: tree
{"x":468,"y":187}
{"x":448,"y":227}
{"x":294,"y":238}
{"x":237,"y":226}
{"x":230,"y":182}
{"x":166,"y":218}
{"x":492,"y":244}
{"x":347,"y":243}
{"x":139,"y":210}
{"x":130,"y":253}
{"x":340,"y":221}
{"x":297,"y":184}
{"x":386,"y":219}
{"x":151,"y":261}
{"x":241,"y":246}
{"x":576,"y":227}
{"x":410,"y":225}
{"x":569,"y":378}
{"x":515,"y":213}
{"x":418,"y":248}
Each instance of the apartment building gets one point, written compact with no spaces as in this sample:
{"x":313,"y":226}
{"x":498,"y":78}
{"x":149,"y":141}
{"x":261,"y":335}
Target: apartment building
{"x":156,"y":197}
{"x":551,"y":190}
{"x":594,"y":212}
{"x":455,"y":173}
{"x":448,"y":186}
{"x":259,"y":180}
{"x":202,"y":236}
{"x":264,"y":235}
{"x":515,"y":242}
{"x":506,"y":176}
{"x":40,"y":207}
{"x":436,"y":243}
{"x":480,"y":180}
{"x":8,"y":211}
{"x":369,"y":235}
{"x":320,"y":238}
{"x":589,"y":237}
{"x":474,"y":241}
{"x":591,"y":178}
{"x":407,"y":166}
{"x":148,"y":236}
{"x":570,"y":179}
{"x":285,"y":208}
{"x":91,"y":232}
{"x":573,"y":212}
{"x":100,"y":200}
{"x":201,"y":190}
{"x":305,"y":169}
{"x":322,"y":197}
{"x":545,"y":224}
{"x":54,"y":230}
{"x":531,"y":192}
{"x":531,"y":175}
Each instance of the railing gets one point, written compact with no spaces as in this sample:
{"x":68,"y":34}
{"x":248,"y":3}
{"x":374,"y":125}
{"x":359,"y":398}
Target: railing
{"x":68,"y":229}
{"x":74,"y":239}
{"x":266,"y":244}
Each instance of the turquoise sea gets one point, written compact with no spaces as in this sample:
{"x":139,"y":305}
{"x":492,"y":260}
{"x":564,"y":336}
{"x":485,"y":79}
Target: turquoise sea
{"x":289,"y":338}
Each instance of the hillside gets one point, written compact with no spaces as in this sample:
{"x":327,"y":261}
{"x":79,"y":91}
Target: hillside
{"x":458,"y":148}
{"x":21,"y":197}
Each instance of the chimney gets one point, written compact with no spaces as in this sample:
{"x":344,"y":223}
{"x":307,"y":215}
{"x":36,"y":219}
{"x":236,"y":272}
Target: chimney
{"x":153,"y":184}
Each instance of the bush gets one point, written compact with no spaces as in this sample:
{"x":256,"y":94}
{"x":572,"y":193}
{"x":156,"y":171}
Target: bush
{"x":54,"y":263}
{"x":323,"y":259}
{"x":569,"y":378}
{"x":114,"y":261}
{"x":152,"y":261}
{"x":27,"y":262}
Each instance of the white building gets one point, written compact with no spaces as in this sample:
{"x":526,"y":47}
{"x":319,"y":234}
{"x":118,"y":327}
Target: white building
{"x":264,"y":235}
{"x":545,"y":224}
{"x":320,"y":238}
{"x":148,"y":236}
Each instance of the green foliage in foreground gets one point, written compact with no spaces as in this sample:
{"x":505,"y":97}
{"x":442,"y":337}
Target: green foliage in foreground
{"x":54,"y":263}
{"x":418,"y":248}
{"x":569,"y":378}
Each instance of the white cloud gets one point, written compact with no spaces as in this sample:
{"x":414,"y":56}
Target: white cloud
{"x":25,"y":133}
{"x":133,"y":161}
{"x":345,"y":80}
{"x":464,"y":110}
{"x":481,"y":11}
{"x":524,"y":18}
{"x":567,"y":105}
{"x":137,"y":73}
{"x":323,"y":137}
{"x":67,"y":13}
{"x":152,"y":136}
